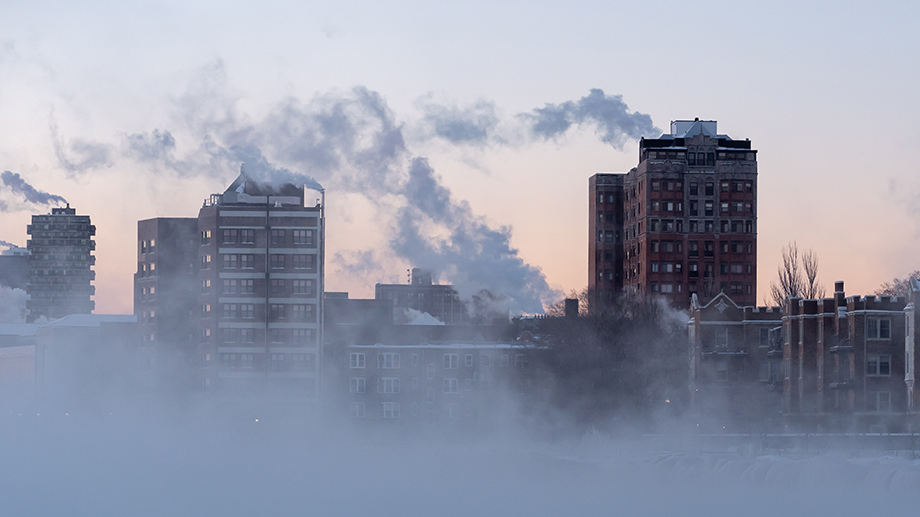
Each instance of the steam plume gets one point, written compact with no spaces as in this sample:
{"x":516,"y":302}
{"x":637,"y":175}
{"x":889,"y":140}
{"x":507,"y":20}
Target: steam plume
{"x":474,"y":125}
{"x":79,"y":155}
{"x":5,"y":244}
{"x":16,"y":184}
{"x":614,"y":123}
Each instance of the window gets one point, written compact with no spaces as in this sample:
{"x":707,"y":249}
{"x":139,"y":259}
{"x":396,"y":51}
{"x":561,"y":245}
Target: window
{"x":231,"y":286}
{"x":667,"y":287}
{"x":468,"y":360}
{"x":710,"y":189}
{"x":430,"y":371}
{"x":304,"y":287}
{"x":724,"y":207}
{"x":303,"y":237}
{"x":468,"y":384}
{"x":231,"y":261}
{"x":878,"y":328}
{"x":693,"y":269}
{"x":205,"y":310}
{"x":276,"y":312}
{"x":388,"y":361}
{"x":357,"y":360}
{"x":388,"y":385}
{"x":737,"y":288}
{"x":247,"y":261}
{"x":230,"y":236}
{"x":303,"y":336}
{"x":246,"y":360}
{"x":485,"y":360}
{"x":228,"y":335}
{"x":451,"y":361}
{"x":358,"y":385}
{"x":205,"y":335}
{"x":694,"y":187}
{"x":277,"y":261}
{"x":390,"y":410}
{"x":276,"y":335}
{"x":415,"y":384}
{"x":302,"y":361}
{"x":357,"y":409}
{"x":247,"y":286}
{"x":307,"y":262}
{"x":205,"y":237}
{"x":277,"y":287}
{"x":302,"y":312}
{"x":694,"y":248}
{"x":206,"y":261}
{"x":247,"y":236}
{"x":278,"y":237}
{"x":737,"y":186}
{"x":451,"y":385}
{"x":247,"y":311}
{"x":878,"y":401}
{"x":230,"y":310}
{"x":721,"y":337}
{"x":737,"y":268}
{"x":878,"y":365}
{"x":707,"y":208}
{"x":414,"y":359}
{"x":278,"y":362}
{"x":205,"y":286}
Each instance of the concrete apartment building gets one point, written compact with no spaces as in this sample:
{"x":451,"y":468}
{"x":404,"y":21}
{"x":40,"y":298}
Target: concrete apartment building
{"x":60,"y":265}
{"x":684,"y":220}
{"x":260,"y":278}
{"x":14,"y":268}
{"x":166,"y":292}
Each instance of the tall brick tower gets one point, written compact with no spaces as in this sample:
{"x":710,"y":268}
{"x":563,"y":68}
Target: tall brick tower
{"x":60,"y":274}
{"x":689,"y":219}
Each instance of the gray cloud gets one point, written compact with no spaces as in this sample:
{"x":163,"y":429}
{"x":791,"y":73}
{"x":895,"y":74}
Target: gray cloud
{"x":18,"y":186}
{"x":614,"y":123}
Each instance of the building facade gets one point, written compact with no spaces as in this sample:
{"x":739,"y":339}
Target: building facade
{"x":845,"y":363}
{"x":260,"y":277}
{"x":689,"y":218}
{"x":605,"y":242}
{"x":422,"y":295}
{"x":60,"y":264}
{"x":165,"y":298}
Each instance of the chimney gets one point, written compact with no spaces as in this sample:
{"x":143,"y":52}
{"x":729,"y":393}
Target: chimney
{"x":571,"y":308}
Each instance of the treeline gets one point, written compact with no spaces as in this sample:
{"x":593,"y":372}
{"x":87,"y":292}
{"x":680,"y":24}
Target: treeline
{"x":627,"y":363}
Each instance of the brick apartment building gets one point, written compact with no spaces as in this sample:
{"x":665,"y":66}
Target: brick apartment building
{"x":60,"y":264}
{"x":847,"y":363}
{"x":682,"y":222}
{"x":735,"y":358}
{"x":260,"y":277}
{"x":166,"y":298}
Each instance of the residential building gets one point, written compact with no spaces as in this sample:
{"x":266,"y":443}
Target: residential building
{"x":260,"y":289}
{"x":14,"y":268}
{"x":688,"y":221}
{"x":166,"y":292}
{"x":60,"y":264}
{"x":843,"y":364}
{"x":735,"y":360}
{"x":423,"y":296}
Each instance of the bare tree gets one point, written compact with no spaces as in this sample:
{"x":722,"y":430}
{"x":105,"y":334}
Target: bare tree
{"x":797,"y":276}
{"x":897,"y":286}
{"x":811,"y":289}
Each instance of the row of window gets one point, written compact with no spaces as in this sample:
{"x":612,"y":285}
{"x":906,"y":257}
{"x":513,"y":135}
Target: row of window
{"x":294,"y":336}
{"x":278,"y":237}
{"x":148,"y":245}
{"x":148,"y":294}
{"x":278,"y":286}
{"x":276,"y":362}
{"x":277,"y":261}
{"x":391,"y":385}
{"x":390,"y":410}
{"x":391,"y":361}
{"x":276,"y":311}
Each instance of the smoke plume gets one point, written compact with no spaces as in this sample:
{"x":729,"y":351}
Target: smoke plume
{"x":352,"y":142}
{"x":78,"y":156}
{"x":18,"y":186}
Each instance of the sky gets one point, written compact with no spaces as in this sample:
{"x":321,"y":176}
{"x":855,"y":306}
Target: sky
{"x":130,"y":110}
